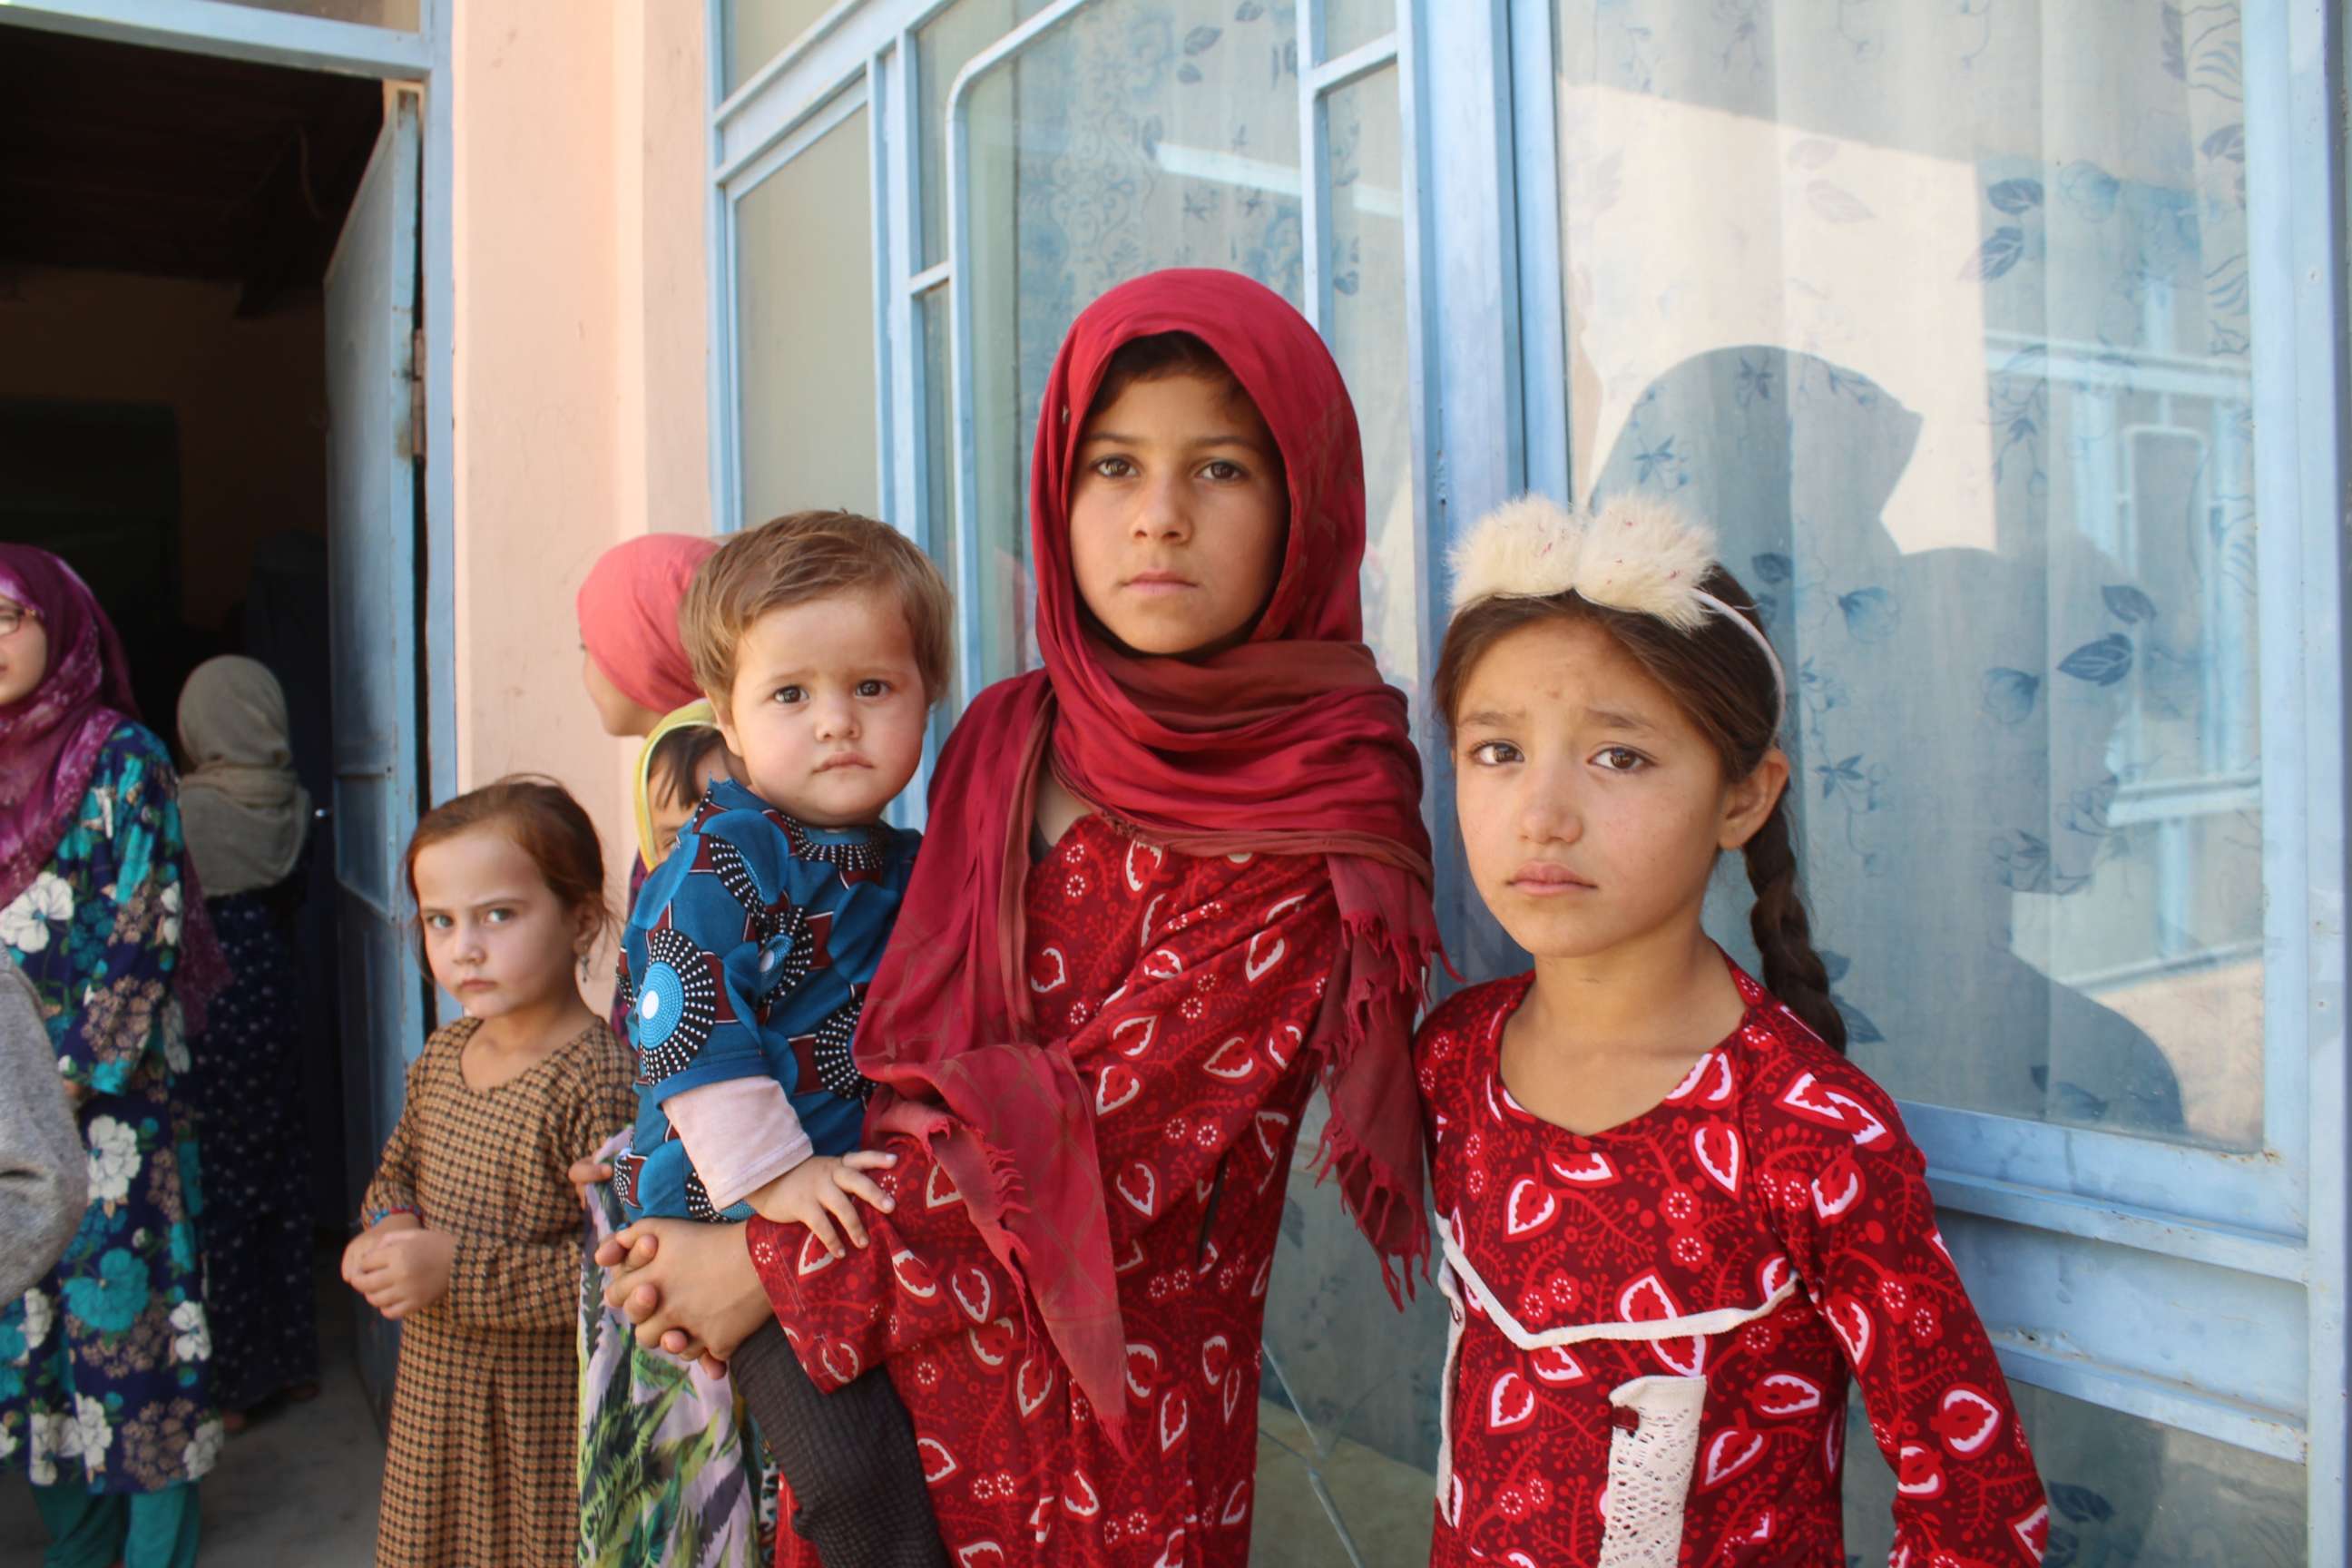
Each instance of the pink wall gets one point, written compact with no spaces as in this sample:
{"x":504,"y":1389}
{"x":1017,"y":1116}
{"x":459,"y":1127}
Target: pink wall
{"x":581,"y":353}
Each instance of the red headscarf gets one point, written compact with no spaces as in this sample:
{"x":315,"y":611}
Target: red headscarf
{"x":1288,"y":745}
{"x":628,"y":617}
{"x":49,"y":743}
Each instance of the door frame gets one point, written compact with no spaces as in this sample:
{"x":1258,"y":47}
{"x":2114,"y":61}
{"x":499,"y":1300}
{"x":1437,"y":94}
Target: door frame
{"x":232,"y":31}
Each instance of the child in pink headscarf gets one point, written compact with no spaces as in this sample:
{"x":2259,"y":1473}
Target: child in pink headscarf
{"x":635,"y":668}
{"x":632,"y":662}
{"x":658,"y":1463}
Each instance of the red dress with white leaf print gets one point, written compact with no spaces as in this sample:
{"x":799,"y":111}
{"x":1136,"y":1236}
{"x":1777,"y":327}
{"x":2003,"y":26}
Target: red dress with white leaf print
{"x":1668,"y":1312}
{"x":1181,"y":988}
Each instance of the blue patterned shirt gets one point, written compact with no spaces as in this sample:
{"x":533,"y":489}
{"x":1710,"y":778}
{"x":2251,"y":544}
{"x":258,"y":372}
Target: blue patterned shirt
{"x":748,"y":955}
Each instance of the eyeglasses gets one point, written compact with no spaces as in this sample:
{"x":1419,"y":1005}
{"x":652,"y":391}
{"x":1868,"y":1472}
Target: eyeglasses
{"x":14,"y":616}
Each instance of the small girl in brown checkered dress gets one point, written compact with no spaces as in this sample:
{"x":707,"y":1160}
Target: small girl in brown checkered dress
{"x":473,"y":1236}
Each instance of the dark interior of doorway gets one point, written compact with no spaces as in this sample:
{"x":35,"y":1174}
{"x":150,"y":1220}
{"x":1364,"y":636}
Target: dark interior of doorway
{"x":166,"y":221}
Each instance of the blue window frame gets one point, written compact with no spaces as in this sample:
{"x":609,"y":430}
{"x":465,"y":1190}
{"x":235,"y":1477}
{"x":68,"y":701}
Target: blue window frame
{"x":2165,"y":1276}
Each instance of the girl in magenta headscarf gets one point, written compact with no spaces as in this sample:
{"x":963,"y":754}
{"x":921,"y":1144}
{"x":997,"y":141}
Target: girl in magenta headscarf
{"x":104,"y":1396}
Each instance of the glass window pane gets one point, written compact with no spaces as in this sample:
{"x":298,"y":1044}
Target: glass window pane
{"x":1364,"y":130}
{"x":806,"y":332}
{"x":939,"y":468}
{"x":1127,"y":136}
{"x":1350,"y":25}
{"x":943,"y":48}
{"x":1941,"y":316}
{"x":397,"y":14}
{"x":2123,"y":1492}
{"x":757,"y":31}
{"x":1387,"y":1503}
{"x":1350,"y":1398}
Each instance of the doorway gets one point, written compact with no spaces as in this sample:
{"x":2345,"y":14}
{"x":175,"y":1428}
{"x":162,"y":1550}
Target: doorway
{"x":163,"y":392}
{"x":214,"y":402}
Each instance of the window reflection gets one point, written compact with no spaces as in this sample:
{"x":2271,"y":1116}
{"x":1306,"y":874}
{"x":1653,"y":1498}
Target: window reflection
{"x":1941,"y":316}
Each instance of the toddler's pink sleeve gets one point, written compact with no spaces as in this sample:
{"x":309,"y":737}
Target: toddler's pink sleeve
{"x":741,"y":1134}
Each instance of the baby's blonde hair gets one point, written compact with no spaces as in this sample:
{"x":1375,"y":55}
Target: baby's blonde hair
{"x":804,"y":556}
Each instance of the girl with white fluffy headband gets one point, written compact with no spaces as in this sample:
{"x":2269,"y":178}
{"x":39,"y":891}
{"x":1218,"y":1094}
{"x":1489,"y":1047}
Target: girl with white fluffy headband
{"x":1675,"y":1219}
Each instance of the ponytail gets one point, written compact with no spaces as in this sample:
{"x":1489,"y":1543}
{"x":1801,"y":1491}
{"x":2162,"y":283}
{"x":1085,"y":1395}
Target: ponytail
{"x":1792,"y":971}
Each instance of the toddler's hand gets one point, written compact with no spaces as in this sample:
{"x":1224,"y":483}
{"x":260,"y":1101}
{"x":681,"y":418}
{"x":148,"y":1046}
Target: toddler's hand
{"x":407,"y":1271}
{"x":819,"y":1190}
{"x":584,"y":1175}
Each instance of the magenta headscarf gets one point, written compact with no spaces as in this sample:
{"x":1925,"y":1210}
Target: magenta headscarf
{"x":49,"y":742}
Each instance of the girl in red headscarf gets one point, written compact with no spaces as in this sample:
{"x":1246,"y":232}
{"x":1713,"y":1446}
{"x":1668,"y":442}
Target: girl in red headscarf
{"x":1171,"y":880}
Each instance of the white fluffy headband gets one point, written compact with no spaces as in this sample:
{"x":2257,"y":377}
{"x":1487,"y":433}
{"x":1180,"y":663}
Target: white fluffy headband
{"x":1638,"y":554}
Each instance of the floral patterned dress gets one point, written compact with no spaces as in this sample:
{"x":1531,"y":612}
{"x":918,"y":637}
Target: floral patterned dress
{"x":103,"y":1373}
{"x":1655,"y":1326}
{"x":1183,"y":989}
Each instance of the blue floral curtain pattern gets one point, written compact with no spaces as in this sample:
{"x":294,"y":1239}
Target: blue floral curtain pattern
{"x":1950,"y":338}
{"x":1940,"y":314}
{"x":1125,"y":139}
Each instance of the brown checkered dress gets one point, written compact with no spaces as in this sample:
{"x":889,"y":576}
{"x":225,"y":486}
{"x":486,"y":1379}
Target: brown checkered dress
{"x":481,"y":1462}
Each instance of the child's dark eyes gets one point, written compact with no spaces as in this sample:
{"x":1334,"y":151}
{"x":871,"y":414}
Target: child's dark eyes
{"x":874,"y":689}
{"x":1496,"y":753}
{"x":1620,"y":760}
{"x":1221,"y":470}
{"x":790,"y":694}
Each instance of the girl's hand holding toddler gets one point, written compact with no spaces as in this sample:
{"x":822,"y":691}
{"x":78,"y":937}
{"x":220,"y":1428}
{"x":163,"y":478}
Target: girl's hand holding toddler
{"x":690,"y":1288}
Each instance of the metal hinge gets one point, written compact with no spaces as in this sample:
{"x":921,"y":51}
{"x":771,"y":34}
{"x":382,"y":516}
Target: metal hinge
{"x":414,"y":447}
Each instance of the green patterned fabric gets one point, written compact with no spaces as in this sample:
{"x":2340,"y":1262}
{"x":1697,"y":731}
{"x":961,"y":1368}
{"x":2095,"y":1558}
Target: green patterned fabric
{"x":669,"y":1474}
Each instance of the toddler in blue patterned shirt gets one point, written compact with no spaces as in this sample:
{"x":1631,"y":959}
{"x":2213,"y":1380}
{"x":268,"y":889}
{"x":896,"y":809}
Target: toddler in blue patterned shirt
{"x":822,"y":640}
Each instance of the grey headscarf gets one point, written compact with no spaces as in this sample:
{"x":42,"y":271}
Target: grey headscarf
{"x":244,"y":812}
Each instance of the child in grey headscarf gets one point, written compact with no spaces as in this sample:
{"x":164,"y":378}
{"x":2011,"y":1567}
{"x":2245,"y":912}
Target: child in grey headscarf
{"x":44,"y":1169}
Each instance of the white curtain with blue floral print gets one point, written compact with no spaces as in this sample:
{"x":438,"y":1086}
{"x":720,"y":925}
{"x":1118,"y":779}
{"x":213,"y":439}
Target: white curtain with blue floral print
{"x":1940,"y":314}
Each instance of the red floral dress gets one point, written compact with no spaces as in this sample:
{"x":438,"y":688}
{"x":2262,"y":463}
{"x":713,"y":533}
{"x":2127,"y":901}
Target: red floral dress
{"x":1183,"y":989}
{"x":1654,"y":1326}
